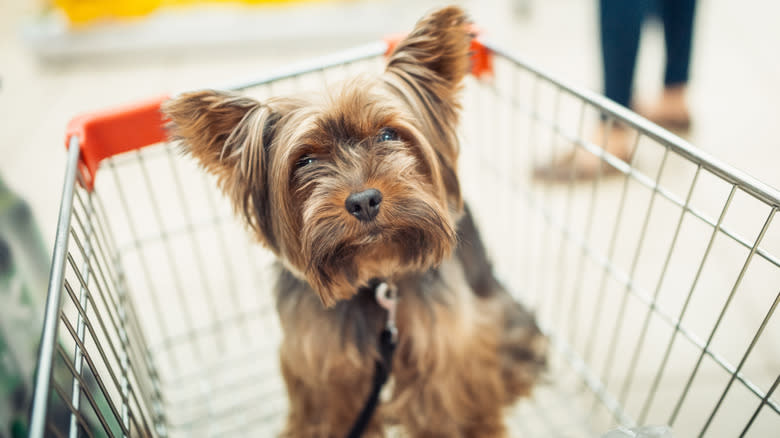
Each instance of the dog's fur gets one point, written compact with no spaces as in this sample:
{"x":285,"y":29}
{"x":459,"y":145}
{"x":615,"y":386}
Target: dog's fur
{"x":465,"y":348}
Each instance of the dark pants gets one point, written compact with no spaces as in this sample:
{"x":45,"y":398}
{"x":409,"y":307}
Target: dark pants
{"x":621,"y":23}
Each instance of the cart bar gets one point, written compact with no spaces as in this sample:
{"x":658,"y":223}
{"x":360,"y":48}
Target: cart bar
{"x":103,"y":134}
{"x":754,"y":187}
{"x":355,"y":54}
{"x":40,"y":400}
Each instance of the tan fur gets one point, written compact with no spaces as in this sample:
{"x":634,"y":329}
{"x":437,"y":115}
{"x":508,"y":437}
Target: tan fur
{"x":466,"y":348}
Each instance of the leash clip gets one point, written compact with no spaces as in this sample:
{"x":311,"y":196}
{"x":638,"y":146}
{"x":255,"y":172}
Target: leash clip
{"x":387,"y":297}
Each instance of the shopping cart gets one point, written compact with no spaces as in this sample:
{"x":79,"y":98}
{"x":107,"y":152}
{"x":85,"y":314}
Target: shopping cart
{"x":657,"y":287}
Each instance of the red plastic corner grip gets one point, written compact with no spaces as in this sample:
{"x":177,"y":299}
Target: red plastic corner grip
{"x":103,"y":134}
{"x":481,"y":56}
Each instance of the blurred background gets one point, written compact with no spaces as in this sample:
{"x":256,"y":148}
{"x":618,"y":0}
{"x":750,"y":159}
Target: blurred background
{"x":60,"y":58}
{"x":52,"y":68}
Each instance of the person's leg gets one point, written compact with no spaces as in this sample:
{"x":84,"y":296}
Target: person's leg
{"x":620,"y":23}
{"x":671,"y":109}
{"x":677,"y":16}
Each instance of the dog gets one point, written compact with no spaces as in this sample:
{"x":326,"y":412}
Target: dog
{"x":360,"y":185}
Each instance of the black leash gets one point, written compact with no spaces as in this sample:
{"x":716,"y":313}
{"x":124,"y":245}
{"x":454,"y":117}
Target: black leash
{"x":388,"y":299}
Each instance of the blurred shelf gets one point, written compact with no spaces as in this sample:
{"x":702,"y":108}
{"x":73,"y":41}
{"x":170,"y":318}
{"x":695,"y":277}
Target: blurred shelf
{"x":221,"y":27}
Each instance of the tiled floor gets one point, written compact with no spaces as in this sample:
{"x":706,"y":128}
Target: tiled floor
{"x":735,"y":97}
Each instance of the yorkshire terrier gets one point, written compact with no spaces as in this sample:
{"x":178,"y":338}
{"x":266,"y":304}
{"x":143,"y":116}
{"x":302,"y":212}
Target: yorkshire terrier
{"x":358,"y":186}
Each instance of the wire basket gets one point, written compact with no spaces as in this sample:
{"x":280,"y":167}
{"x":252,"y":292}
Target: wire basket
{"x":657,"y":286}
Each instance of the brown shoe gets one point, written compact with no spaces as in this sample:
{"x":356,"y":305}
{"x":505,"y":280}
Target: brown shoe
{"x":670,"y":111}
{"x":581,"y":164}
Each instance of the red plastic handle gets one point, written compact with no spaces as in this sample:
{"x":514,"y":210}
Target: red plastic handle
{"x":103,"y":134}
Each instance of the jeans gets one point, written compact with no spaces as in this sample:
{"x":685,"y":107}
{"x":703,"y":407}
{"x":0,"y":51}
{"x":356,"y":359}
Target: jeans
{"x":621,"y":23}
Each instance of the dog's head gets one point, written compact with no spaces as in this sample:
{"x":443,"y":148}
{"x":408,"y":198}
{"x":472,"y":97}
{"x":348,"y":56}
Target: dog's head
{"x":356,"y":185}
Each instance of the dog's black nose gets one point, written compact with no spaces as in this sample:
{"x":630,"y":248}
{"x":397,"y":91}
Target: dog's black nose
{"x":364,"y":205}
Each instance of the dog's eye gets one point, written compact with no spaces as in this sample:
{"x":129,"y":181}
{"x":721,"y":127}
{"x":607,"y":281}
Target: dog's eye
{"x":387,"y":134}
{"x":305,"y":161}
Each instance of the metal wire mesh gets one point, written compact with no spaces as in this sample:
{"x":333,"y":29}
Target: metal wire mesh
{"x":657,"y":286}
{"x":103,"y":381}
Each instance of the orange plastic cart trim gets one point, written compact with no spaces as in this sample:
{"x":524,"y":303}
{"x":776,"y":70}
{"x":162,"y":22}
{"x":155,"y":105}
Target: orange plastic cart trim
{"x":481,"y":57}
{"x":103,"y":134}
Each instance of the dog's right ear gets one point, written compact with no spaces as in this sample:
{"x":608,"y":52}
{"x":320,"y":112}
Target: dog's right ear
{"x":229,"y":136}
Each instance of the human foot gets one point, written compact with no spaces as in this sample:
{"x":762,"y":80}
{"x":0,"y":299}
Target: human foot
{"x":581,"y":164}
{"x":670,"y":111}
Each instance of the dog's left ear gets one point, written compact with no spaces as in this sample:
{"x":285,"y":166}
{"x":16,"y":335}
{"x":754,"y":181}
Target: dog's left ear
{"x":426,"y":70}
{"x":229,"y":135}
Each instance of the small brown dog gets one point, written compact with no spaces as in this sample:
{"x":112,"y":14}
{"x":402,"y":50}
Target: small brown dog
{"x":358,"y":186}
